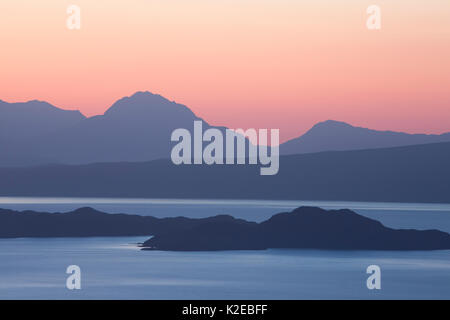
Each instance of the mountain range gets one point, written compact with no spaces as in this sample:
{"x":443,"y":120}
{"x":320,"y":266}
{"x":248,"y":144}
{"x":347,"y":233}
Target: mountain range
{"x":135,"y":128}
{"x":138,"y":128}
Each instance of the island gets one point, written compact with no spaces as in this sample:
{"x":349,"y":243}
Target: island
{"x":302,"y":228}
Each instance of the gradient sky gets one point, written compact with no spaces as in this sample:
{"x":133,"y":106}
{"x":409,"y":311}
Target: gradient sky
{"x":241,"y":63}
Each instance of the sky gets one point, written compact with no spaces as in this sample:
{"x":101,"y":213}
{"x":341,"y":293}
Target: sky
{"x":284,"y":64}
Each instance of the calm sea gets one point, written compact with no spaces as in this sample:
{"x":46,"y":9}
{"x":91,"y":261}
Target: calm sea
{"x":115,"y":268}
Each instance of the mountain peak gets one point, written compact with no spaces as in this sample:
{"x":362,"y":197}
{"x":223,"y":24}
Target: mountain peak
{"x":146,"y":96}
{"x":37,"y":108}
{"x":142,"y":102}
{"x":145,"y":93}
{"x":332,"y":135}
{"x":330,"y":128}
{"x":40,"y":104}
{"x":332,"y":124}
{"x":35,"y":113}
{"x":36,"y":101}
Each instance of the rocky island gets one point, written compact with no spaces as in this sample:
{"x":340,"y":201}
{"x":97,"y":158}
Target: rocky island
{"x":303,"y":228}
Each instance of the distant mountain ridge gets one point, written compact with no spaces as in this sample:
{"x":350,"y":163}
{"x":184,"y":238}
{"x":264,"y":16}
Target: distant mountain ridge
{"x":23,"y":124}
{"x":138,"y":128}
{"x":333,"y":135}
{"x":135,"y":128}
{"x":25,"y":120}
{"x":419,"y":173}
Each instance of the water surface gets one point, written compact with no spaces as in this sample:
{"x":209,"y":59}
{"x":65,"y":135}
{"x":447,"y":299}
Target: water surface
{"x":115,"y":268}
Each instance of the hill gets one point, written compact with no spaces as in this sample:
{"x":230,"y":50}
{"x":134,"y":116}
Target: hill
{"x":402,"y":174}
{"x":303,"y":228}
{"x":333,"y":135}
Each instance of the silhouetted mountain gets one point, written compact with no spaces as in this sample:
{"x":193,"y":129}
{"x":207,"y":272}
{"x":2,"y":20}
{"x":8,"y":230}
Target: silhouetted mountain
{"x":19,"y":121}
{"x":136,"y":128}
{"x":306,"y":228}
{"x":402,"y":174}
{"x":22,"y":123}
{"x":337,"y":136}
{"x":88,"y":222}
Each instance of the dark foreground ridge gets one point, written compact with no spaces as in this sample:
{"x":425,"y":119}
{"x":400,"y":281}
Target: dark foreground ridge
{"x":304,"y":227}
{"x":88,"y":222}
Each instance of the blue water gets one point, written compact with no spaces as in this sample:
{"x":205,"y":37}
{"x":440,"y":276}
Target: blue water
{"x":395,"y":215}
{"x":115,"y":268}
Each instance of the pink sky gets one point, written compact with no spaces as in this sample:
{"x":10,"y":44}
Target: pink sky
{"x":241,"y":63}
